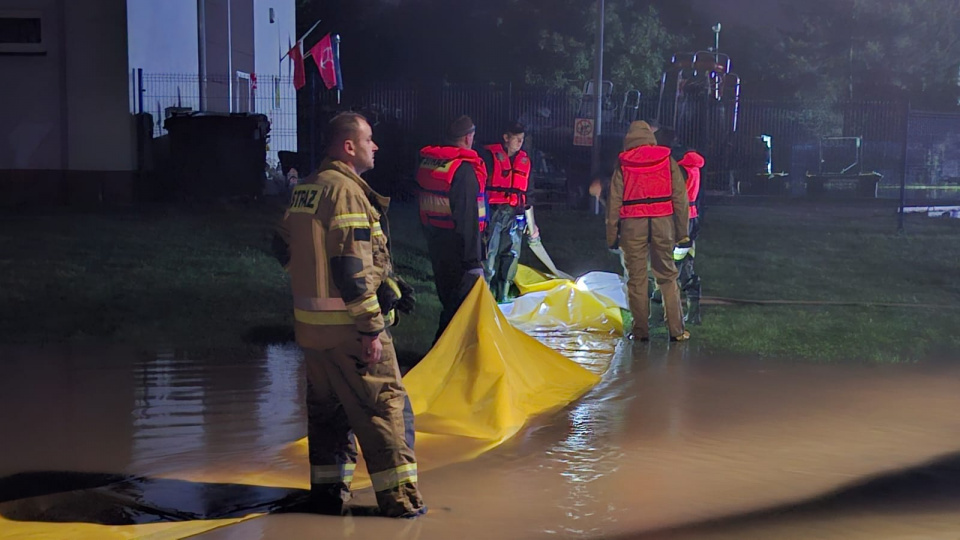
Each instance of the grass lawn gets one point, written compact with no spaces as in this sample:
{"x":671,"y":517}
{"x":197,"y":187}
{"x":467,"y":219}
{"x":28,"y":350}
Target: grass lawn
{"x":204,"y":279}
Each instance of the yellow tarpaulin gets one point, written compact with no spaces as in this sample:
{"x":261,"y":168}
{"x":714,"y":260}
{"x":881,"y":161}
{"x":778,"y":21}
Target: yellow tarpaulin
{"x":529,"y":280}
{"x":561,"y":305}
{"x":475,"y":389}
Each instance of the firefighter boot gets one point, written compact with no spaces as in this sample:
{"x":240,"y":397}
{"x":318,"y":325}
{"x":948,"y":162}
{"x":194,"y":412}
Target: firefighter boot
{"x":502,"y":290}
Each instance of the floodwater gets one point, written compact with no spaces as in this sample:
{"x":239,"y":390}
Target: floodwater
{"x":673,"y":444}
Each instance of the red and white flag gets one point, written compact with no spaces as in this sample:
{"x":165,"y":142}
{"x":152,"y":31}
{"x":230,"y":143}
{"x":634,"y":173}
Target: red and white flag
{"x":299,"y":73}
{"x":323,"y":55}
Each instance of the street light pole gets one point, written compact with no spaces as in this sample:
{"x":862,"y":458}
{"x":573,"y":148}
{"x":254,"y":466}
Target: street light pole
{"x":598,"y":94}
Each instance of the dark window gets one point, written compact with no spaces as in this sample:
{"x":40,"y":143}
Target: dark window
{"x":20,"y":30}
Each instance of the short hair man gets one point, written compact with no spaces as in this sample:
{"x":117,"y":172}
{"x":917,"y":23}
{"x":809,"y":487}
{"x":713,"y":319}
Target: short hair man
{"x":508,"y":186}
{"x":333,"y":241}
{"x":453,"y":213}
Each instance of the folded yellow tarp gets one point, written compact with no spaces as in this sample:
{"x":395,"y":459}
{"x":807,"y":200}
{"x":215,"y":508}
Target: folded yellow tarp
{"x":561,"y":305}
{"x":475,"y":389}
{"x":529,"y":280}
{"x":494,"y":377}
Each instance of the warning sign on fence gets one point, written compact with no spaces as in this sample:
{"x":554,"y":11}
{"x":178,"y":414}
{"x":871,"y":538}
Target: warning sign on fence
{"x":583,"y":132}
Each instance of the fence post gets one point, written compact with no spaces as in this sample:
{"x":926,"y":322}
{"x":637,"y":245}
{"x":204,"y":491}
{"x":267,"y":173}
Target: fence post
{"x":140,"y":90}
{"x":903,"y":175}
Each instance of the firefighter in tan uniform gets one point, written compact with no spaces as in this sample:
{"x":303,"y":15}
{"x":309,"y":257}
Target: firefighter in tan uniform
{"x":333,"y":241}
{"x":648,"y":213}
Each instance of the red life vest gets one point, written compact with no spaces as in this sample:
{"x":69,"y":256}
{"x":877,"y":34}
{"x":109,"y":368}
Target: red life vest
{"x":438,"y":165}
{"x":647,"y":185}
{"x":508,"y":182}
{"x":692,"y":162}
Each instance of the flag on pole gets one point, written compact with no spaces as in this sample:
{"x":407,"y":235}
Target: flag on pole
{"x":336,"y":64}
{"x":289,"y":46}
{"x":325,"y":59}
{"x":299,"y":73}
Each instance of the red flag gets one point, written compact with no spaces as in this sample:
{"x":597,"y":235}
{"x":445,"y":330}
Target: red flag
{"x":322,"y":54}
{"x":299,"y":73}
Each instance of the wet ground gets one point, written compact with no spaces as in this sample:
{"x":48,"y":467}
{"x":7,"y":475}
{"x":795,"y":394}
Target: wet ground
{"x":673,"y":444}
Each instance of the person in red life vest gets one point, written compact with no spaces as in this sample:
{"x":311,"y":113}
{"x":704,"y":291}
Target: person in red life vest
{"x":508,"y":182}
{"x":647,"y":212}
{"x":684,"y":254}
{"x":453,"y":213}
{"x":691,"y":163}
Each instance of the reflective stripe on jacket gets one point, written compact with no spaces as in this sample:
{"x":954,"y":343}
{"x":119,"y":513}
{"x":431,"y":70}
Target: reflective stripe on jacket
{"x":338,"y":256}
{"x":438,"y":165}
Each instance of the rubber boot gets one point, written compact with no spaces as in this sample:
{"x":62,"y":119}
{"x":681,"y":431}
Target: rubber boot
{"x":693,"y":311}
{"x":502,"y":289}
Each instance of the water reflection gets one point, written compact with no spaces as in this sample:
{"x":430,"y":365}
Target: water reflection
{"x":588,"y":452}
{"x":124,"y":412}
{"x":673,"y":443}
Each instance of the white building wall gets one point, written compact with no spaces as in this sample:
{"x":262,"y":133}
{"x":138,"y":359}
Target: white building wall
{"x":30,"y":104}
{"x":99,"y":121}
{"x":163,"y":36}
{"x":164,"y":43}
{"x":66,"y":107}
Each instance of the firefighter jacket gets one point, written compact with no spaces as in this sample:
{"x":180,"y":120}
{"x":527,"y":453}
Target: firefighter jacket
{"x":692,"y":162}
{"x":439,"y":165}
{"x":509,"y":180}
{"x":654,"y":175}
{"x":338,"y":257}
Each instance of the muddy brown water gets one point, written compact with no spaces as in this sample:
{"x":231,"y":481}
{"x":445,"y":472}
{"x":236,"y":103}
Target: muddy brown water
{"x":672,"y":444}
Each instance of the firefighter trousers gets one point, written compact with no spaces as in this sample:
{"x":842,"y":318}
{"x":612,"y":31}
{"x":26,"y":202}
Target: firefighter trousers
{"x":643,"y":239}
{"x":346,"y":396}
{"x":503,"y":249}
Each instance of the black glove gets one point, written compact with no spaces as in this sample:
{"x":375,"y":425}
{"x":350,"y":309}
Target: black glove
{"x":388,"y":295}
{"x":407,"y":300}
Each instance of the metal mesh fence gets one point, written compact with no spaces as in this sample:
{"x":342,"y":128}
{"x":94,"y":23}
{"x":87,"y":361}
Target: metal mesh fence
{"x":933,"y":158}
{"x":753,"y":147}
{"x":165,"y":94}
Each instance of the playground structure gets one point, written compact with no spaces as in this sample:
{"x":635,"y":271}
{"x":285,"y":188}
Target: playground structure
{"x":700,"y":99}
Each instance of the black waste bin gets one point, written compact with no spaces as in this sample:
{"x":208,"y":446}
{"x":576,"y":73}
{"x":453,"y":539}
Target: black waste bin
{"x":291,"y":160}
{"x":217,"y":156}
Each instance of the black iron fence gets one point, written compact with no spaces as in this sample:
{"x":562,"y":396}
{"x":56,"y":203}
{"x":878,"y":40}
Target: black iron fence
{"x":789,"y":149}
{"x":848,"y":149}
